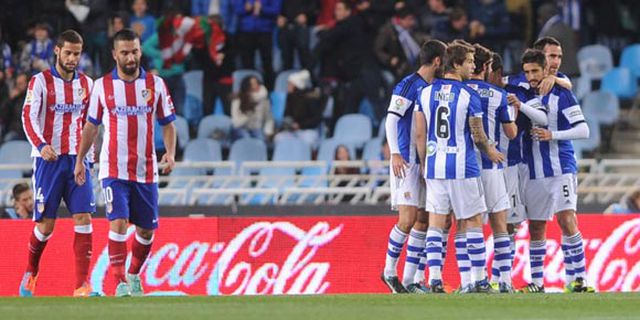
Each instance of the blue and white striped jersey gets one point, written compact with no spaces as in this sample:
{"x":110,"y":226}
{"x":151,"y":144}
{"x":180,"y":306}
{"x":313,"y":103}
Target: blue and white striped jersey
{"x":555,"y":157}
{"x":495,"y":112}
{"x":402,"y":104}
{"x":520,"y":80}
{"x":512,"y":149}
{"x":447,"y":106}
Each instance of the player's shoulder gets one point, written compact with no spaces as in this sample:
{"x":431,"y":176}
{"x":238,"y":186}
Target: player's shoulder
{"x":465,"y":88}
{"x":409,"y":85}
{"x":562,"y":75}
{"x":496,"y":88}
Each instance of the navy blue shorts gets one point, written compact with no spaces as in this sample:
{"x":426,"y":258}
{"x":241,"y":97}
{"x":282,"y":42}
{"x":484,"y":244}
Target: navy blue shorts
{"x":54,"y":181}
{"x":134,"y":201}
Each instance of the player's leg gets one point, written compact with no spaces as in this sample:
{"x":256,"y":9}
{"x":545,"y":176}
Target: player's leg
{"x":81,"y":203}
{"x":462,"y":257}
{"x":422,"y":223}
{"x":397,"y":237}
{"x":413,"y":276}
{"x":445,"y":236}
{"x":116,"y":195}
{"x":47,"y":191}
{"x":144,"y":215}
{"x":438,"y":205}
{"x":497,"y":200}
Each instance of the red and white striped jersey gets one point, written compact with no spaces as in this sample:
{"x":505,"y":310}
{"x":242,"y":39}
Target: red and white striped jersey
{"x":54,"y":111}
{"x":127,"y":110}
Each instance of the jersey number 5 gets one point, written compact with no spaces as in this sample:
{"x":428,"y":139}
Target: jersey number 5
{"x":442,"y":122}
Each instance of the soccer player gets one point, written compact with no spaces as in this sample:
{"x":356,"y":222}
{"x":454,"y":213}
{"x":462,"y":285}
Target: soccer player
{"x":496,"y":119}
{"x":551,"y":189}
{"x":406,"y":183}
{"x":127,"y":100}
{"x":53,"y":114}
{"x":449,"y":115}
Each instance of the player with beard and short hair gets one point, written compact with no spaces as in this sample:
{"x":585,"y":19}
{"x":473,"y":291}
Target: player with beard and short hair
{"x":127,"y":101}
{"x":53,"y":115}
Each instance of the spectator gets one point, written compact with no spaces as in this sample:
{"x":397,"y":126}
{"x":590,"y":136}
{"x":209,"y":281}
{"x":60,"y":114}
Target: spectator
{"x":552,"y":25}
{"x":6,"y":59}
{"x":375,"y":13}
{"x":434,"y":14}
{"x":251,"y":111}
{"x":22,"y":196}
{"x":628,"y":204}
{"x":38,"y":55}
{"x":342,"y":154}
{"x":456,"y":27}
{"x":141,"y":22}
{"x":396,"y":46}
{"x":11,"y":110}
{"x":117,"y":22}
{"x":490,"y":23}
{"x":293,"y":31}
{"x":303,"y":112}
{"x":257,"y":20}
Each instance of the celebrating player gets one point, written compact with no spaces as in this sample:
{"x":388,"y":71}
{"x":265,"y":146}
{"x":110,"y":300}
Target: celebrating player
{"x":53,"y":115}
{"x":127,"y":100}
{"x":407,"y":185}
{"x":449,"y":114}
{"x":496,"y":116}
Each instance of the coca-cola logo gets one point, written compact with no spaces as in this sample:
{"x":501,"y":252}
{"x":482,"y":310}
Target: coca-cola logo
{"x":231,"y":268}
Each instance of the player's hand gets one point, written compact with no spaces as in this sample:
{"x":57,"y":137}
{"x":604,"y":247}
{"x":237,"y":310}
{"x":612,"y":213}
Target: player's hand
{"x":167,"y":163}
{"x":398,"y":165}
{"x":541,"y":134}
{"x":546,"y":84}
{"x":48,"y":154}
{"x":514,"y":101}
{"x":79,"y":173}
{"x":494,"y":155}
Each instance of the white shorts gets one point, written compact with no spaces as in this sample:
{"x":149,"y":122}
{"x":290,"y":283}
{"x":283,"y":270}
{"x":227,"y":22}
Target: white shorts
{"x":547,"y":196}
{"x":464,"y":196}
{"x":516,"y":213}
{"x":407,"y":191}
{"x":495,"y":191}
{"x":523,"y":178}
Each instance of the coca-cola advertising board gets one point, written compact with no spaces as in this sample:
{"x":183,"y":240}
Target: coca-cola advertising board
{"x":297,"y":255}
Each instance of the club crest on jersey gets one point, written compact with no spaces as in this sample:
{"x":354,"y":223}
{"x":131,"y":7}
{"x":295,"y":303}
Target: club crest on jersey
{"x":40,"y":207}
{"x":431,"y":148}
{"x":147,"y":94}
{"x":29,"y":96}
{"x":82,"y":93}
{"x":407,"y":195}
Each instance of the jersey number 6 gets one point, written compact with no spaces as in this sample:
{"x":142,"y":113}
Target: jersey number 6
{"x":442,"y":122}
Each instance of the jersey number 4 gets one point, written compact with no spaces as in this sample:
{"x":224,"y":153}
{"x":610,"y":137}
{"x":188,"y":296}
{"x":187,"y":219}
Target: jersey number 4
{"x":442,"y":122}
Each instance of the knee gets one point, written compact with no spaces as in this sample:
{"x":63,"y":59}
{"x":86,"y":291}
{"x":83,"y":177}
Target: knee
{"x":568,"y":223}
{"x":82,"y":219}
{"x":537,"y":230}
{"x":145,"y":233}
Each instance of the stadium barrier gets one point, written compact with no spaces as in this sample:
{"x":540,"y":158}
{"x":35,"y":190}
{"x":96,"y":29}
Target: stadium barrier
{"x":297,"y":255}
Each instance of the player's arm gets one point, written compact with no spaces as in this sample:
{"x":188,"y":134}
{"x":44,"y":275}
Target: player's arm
{"x":421,"y":137}
{"x":477,"y":130}
{"x":549,"y":81}
{"x":507,"y":116}
{"x":168,"y":161}
{"x":579,"y":128}
{"x":397,"y":108}
{"x":89,"y":134}
{"x":535,"y":111}
{"x":30,"y":114}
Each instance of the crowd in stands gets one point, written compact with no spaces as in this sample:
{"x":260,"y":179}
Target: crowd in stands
{"x":348,"y":53}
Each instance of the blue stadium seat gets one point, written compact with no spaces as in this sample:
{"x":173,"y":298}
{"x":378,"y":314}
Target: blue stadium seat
{"x":192,"y":109}
{"x":372,"y":149}
{"x":238,"y":75}
{"x":353,"y":129}
{"x":278,"y":105}
{"x":14,"y":152}
{"x":621,"y":82}
{"x":630,"y":59}
{"x":248,"y":149}
{"x":182,"y":128}
{"x":595,"y":61}
{"x":592,"y":142}
{"x":216,"y":127}
{"x":193,"y":83}
{"x":602,"y":107}
{"x":291,"y":149}
{"x":201,"y":149}
{"x":382,"y":128}
{"x":282,"y":80}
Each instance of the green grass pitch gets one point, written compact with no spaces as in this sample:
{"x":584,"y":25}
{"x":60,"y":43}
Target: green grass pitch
{"x":332,"y":307}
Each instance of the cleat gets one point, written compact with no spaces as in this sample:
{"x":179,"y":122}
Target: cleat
{"x":436,"y":286}
{"x":135,"y":285}
{"x":28,"y":284}
{"x":580,"y":285}
{"x":393,"y":284}
{"x":424,"y":286}
{"x":85,"y":291}
{"x":416,"y":288}
{"x":483,"y":286}
{"x":123,"y":290}
{"x":504,"y":287}
{"x":495,"y":286}
{"x":469,"y":288}
{"x":532,"y":288}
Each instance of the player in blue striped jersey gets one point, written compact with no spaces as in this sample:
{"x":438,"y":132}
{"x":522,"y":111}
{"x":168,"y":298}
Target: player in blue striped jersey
{"x":552,"y":184}
{"x":449,"y":114}
{"x":406,"y":182}
{"x":496,"y":119}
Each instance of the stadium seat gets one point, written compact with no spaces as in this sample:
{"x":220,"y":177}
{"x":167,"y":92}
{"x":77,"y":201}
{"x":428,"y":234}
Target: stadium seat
{"x":593,"y":141}
{"x":248,"y":149}
{"x":238,"y":75}
{"x":182,"y":128}
{"x":192,"y":109}
{"x":14,"y":152}
{"x":218,"y":107}
{"x":620,"y":82}
{"x":382,"y":128}
{"x":216,"y":127}
{"x":595,"y":61}
{"x":282,"y":80}
{"x":291,"y":149}
{"x":353,"y":129}
{"x":278,"y":105}
{"x":601,"y":106}
{"x":372,"y":149}
{"x":327,"y":150}
{"x":630,"y":59}
{"x":193,"y":83}
{"x":201,"y":149}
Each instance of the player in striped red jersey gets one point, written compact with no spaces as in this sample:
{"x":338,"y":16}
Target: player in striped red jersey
{"x":53,"y":116}
{"x":126,"y":101}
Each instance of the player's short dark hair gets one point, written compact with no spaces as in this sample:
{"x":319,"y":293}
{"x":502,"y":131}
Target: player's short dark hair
{"x":534,"y":56}
{"x":19,"y":189}
{"x":125,"y":34}
{"x":496,"y":62}
{"x":70,"y":36}
{"x":456,"y":54}
{"x":481,"y":56}
{"x":430,"y":50}
{"x":544,"y":41}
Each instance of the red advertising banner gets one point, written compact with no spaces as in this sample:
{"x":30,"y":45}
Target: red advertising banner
{"x":297,"y":255}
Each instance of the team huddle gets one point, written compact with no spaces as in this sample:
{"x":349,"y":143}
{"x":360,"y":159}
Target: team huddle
{"x":471,"y":146}
{"x":61,"y":115}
